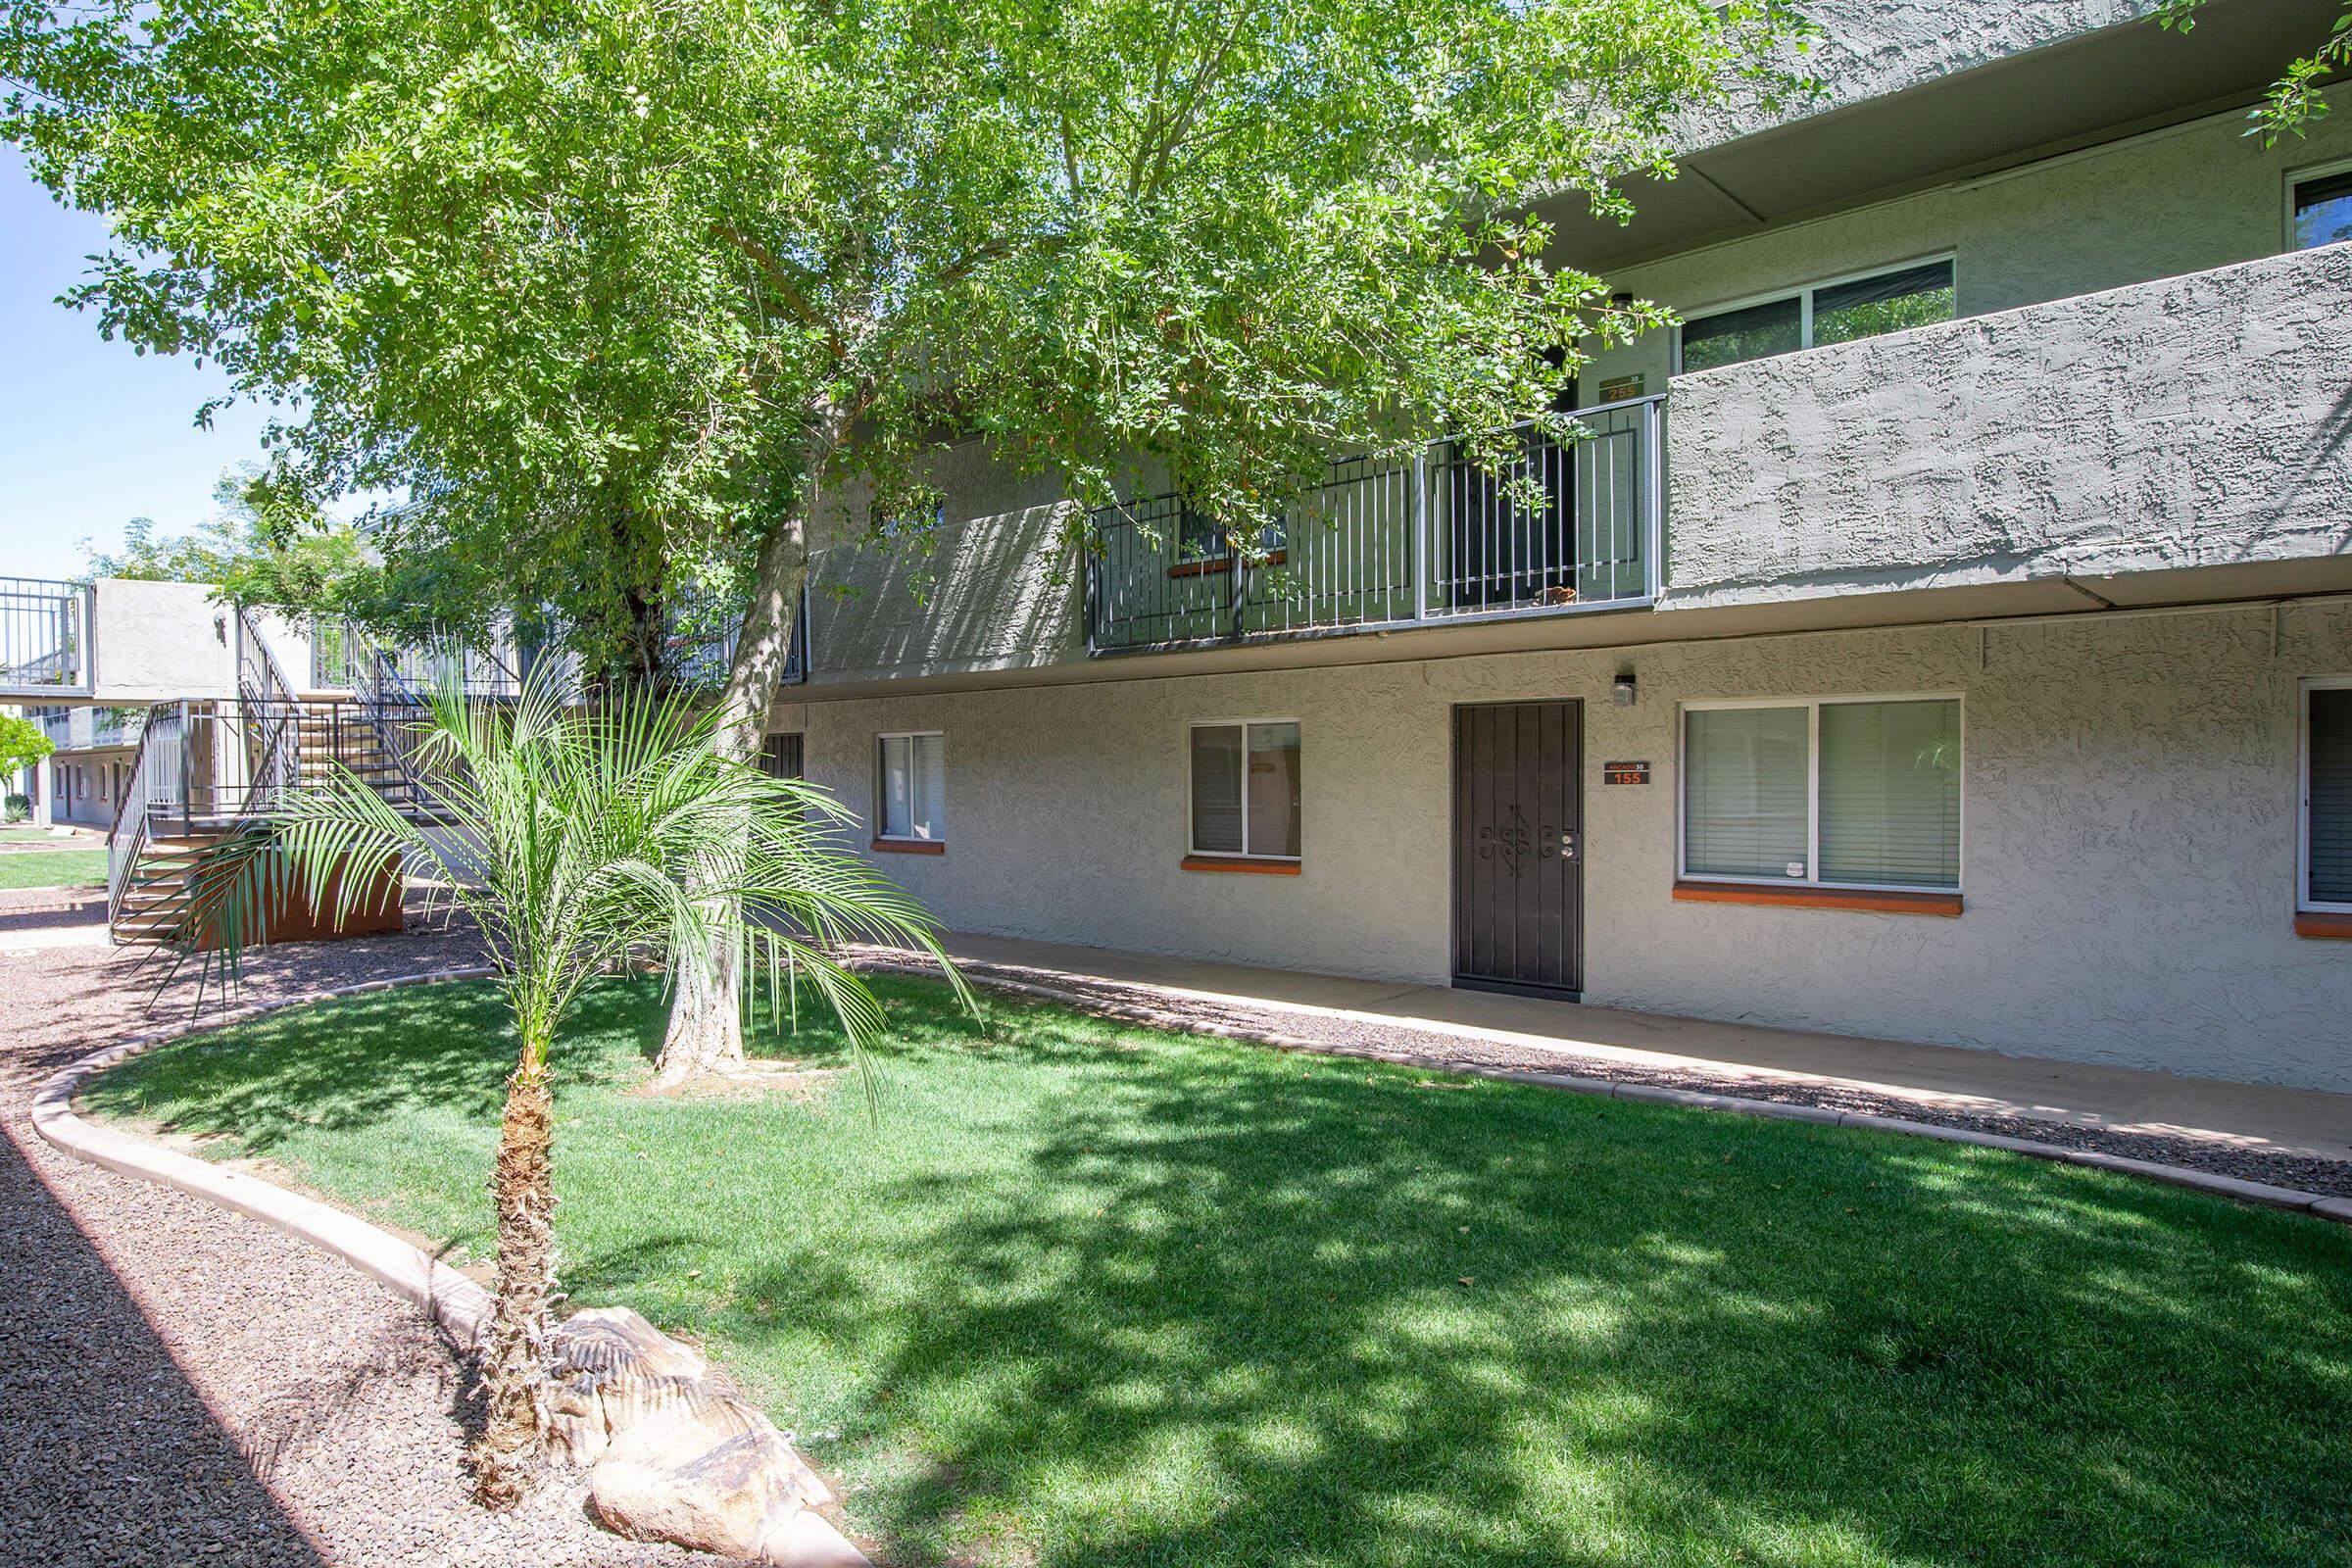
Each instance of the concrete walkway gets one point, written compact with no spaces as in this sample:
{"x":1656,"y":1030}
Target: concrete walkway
{"x":1945,"y":1083}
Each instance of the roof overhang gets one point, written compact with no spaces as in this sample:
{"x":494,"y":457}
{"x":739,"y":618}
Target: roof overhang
{"x":2091,"y":88}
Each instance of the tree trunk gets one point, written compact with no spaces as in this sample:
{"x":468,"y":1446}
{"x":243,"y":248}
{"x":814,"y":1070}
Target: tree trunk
{"x":706,"y":1021}
{"x":513,"y":1359}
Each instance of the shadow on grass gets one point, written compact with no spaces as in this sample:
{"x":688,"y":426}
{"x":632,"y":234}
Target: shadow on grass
{"x":1084,"y":1295}
{"x":1305,"y":1313}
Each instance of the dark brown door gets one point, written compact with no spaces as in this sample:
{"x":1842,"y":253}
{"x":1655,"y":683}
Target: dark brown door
{"x":1518,"y":847}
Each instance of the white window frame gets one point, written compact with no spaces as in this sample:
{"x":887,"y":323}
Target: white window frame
{"x":1803,"y":294}
{"x":1243,"y":853}
{"x":2287,"y":181}
{"x":882,"y":781}
{"x":2304,"y":903}
{"x":1813,"y":707}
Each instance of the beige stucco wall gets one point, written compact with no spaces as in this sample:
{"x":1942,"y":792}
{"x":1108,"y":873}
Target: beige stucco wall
{"x":2129,"y":825}
{"x":97,"y":806}
{"x":2134,"y":387}
{"x":1864,"y":49}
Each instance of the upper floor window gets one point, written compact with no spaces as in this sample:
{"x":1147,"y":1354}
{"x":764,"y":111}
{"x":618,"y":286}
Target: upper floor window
{"x":2319,"y":210}
{"x":1244,"y":790}
{"x":1827,"y":312}
{"x":914,"y":787}
{"x":1854,"y":793}
{"x":2327,"y":797}
{"x":781,"y":755}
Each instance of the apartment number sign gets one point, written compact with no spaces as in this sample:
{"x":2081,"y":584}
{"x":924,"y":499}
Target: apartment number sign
{"x":1625,"y":772}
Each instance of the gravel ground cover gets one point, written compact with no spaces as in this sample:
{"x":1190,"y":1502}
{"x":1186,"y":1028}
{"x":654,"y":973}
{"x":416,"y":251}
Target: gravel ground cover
{"x":179,"y":1385}
{"x":1385,"y":1041}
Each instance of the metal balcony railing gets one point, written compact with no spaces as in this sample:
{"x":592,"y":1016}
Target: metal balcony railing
{"x":74,"y":729}
{"x":705,"y":629}
{"x":346,"y":657}
{"x":45,"y":637}
{"x":1561,"y":527}
{"x":696,"y":652}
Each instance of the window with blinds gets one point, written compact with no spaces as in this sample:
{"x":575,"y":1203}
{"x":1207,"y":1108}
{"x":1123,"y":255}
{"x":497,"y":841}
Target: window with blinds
{"x":1891,"y":794}
{"x":1745,"y":778}
{"x":1840,"y":794}
{"x":2328,"y":797}
{"x":1244,"y":790}
{"x":914,"y":787}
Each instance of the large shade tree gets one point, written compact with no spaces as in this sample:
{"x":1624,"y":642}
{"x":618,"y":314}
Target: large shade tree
{"x":629,"y":292}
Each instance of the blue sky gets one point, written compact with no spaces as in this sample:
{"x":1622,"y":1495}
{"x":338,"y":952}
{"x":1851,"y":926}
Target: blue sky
{"x":91,"y":434}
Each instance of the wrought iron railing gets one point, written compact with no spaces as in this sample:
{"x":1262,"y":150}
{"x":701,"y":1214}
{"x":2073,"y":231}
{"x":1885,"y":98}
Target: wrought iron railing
{"x":704,"y":631}
{"x":44,"y":636}
{"x":1560,"y":527}
{"x":345,"y":657}
{"x":90,"y":726}
{"x":697,"y":650}
{"x":271,"y":719}
{"x":160,"y":745}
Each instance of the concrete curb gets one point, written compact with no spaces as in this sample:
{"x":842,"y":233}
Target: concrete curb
{"x":448,"y":1299}
{"x":2317,"y":1204}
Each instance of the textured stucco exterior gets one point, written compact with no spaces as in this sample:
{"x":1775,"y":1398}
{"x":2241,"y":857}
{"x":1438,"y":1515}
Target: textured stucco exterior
{"x":88,"y":796}
{"x":994,"y":587}
{"x":161,"y":641}
{"x":2190,"y":197}
{"x":2128,"y":861}
{"x":1865,"y":49}
{"x":2196,"y":421}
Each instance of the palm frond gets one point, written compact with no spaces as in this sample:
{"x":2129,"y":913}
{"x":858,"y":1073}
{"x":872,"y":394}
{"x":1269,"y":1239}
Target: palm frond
{"x":577,"y":835}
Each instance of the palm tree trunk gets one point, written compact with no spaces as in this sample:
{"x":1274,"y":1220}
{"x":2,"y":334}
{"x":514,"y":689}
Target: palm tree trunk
{"x":515,"y":1359}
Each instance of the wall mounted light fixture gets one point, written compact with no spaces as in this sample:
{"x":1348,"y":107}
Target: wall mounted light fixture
{"x":1622,"y":693}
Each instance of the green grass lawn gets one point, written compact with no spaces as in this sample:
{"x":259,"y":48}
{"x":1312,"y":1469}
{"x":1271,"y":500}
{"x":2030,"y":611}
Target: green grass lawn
{"x":53,"y":868}
{"x":1079,"y":1293}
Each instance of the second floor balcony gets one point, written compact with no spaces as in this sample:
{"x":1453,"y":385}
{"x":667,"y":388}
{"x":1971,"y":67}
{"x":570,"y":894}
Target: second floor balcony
{"x":1562,"y":526}
{"x":2182,"y":439}
{"x":45,"y":637}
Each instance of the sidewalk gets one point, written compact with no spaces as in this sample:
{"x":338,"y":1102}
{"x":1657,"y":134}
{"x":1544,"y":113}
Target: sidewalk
{"x":2137,"y":1109}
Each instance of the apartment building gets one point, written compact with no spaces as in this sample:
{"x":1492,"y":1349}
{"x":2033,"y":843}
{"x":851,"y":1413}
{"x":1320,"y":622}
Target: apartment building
{"x":1944,"y":634}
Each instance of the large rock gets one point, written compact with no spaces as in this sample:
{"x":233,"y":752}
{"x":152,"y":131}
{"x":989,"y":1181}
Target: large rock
{"x":610,"y":1370}
{"x":672,"y":1477}
{"x":676,"y":1454}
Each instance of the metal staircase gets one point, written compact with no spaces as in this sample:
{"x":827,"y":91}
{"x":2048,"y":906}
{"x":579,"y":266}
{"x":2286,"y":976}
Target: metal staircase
{"x":209,"y":771}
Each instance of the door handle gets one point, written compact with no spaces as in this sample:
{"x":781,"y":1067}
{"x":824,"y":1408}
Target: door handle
{"x":1568,"y":845}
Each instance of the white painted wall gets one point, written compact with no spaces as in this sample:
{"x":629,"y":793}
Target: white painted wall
{"x":2129,"y":820}
{"x":162,"y":641}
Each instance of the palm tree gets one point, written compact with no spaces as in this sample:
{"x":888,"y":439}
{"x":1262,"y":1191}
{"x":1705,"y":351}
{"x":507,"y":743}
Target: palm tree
{"x":572,"y":834}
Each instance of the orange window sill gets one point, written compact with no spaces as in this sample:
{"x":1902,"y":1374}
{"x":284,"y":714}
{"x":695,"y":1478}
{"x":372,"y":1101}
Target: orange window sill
{"x":1228,"y":862}
{"x":2325,"y":926}
{"x":1811,"y":898}
{"x":909,"y":847}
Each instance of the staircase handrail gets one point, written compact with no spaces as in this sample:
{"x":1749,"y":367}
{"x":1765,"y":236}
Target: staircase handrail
{"x":276,"y":716}
{"x":129,"y":834}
